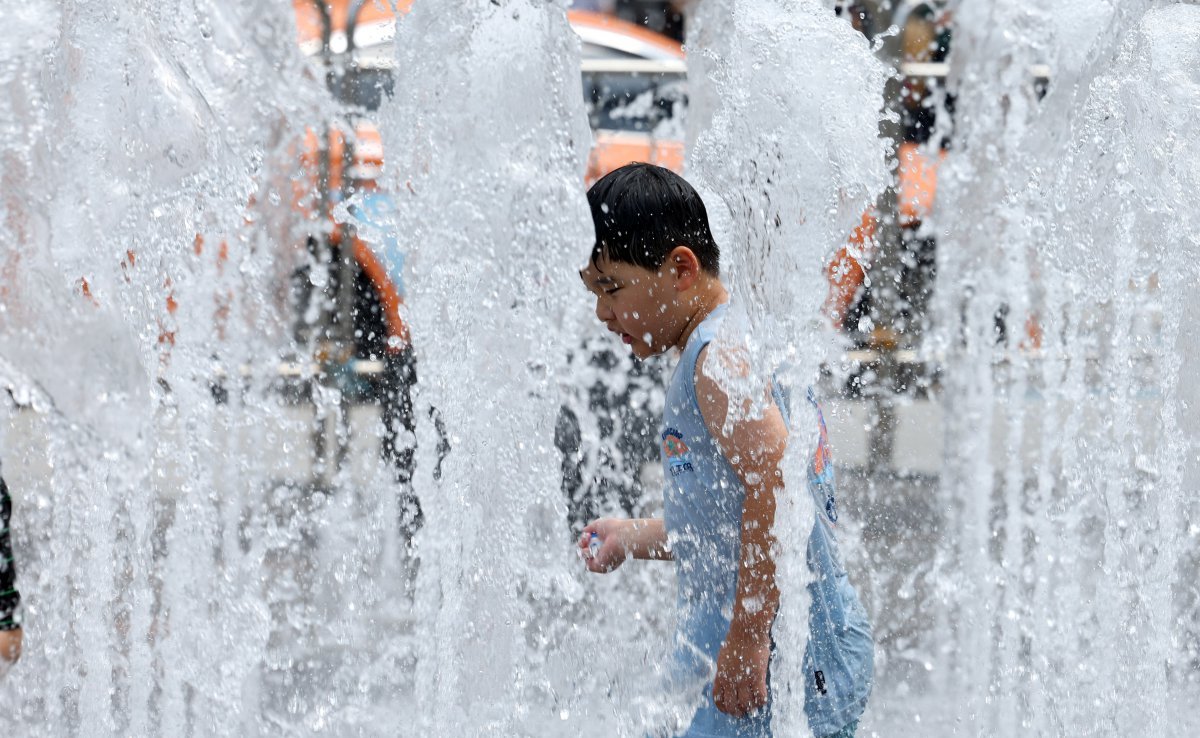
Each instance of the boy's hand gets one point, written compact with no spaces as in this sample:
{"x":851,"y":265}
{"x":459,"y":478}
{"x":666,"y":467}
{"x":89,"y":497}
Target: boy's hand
{"x":613,"y":548}
{"x":741,"y":683}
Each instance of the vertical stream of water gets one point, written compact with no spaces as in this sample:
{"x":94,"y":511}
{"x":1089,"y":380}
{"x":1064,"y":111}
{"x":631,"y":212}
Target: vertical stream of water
{"x":1070,"y":237}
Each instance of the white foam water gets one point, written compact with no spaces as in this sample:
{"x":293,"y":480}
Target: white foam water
{"x":787,"y":149}
{"x":491,"y":145}
{"x":180,"y":574}
{"x":127,"y":133}
{"x":1068,"y":220}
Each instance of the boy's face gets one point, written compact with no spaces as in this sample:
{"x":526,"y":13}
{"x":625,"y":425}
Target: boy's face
{"x":640,"y":305}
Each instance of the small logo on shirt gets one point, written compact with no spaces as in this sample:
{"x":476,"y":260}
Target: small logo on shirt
{"x":675,"y":451}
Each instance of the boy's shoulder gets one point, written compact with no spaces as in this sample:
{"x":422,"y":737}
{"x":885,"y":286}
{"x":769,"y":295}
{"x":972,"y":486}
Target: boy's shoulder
{"x":723,"y":366}
{"x":723,"y":362}
{"x":733,"y":398}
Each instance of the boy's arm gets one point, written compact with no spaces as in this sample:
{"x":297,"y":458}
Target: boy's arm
{"x":754,"y":448}
{"x":641,"y":538}
{"x":646,"y":538}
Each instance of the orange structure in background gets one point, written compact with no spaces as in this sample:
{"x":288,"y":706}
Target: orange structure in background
{"x":614,"y":149}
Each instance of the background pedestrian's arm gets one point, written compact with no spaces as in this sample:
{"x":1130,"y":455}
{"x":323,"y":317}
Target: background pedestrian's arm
{"x":10,"y":645}
{"x":10,"y":636}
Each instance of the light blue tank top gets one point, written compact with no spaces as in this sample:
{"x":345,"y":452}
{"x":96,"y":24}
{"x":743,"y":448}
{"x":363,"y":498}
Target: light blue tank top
{"x":702,"y":512}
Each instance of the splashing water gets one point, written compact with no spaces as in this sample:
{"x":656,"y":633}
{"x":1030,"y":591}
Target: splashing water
{"x":183,"y":574}
{"x":788,"y":146}
{"x":127,"y":133}
{"x":492,"y":177}
{"x":1070,"y":242}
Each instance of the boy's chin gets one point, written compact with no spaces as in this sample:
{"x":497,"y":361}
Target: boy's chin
{"x":642,"y":351}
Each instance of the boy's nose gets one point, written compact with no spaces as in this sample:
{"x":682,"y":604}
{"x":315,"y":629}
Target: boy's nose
{"x":603,"y":312}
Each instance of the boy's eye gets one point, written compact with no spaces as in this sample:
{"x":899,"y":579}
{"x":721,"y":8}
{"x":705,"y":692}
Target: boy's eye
{"x":611,"y":290}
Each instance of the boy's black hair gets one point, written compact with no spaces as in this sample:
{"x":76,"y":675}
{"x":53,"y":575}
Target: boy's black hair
{"x":642,"y":212}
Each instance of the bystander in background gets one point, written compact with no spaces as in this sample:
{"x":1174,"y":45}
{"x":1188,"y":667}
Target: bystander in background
{"x":10,"y":598}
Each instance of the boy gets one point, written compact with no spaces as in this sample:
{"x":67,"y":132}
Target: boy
{"x":655,"y":274}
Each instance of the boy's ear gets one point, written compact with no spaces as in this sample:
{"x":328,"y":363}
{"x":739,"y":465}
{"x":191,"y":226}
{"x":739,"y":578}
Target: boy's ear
{"x":685,"y":265}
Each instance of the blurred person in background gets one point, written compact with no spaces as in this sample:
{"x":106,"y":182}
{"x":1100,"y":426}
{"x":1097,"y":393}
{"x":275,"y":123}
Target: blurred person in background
{"x":858,"y":14}
{"x":10,"y":598}
{"x":924,"y":39}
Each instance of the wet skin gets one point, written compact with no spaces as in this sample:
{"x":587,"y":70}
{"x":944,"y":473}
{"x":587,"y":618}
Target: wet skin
{"x":651,"y":310}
